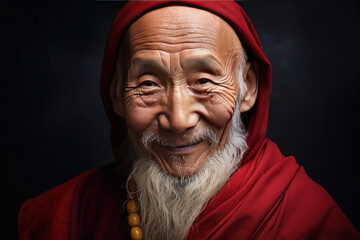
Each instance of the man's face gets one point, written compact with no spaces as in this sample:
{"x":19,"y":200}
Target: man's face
{"x":181,"y":86}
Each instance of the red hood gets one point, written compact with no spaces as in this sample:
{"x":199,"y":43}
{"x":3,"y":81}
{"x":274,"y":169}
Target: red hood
{"x":255,"y":120}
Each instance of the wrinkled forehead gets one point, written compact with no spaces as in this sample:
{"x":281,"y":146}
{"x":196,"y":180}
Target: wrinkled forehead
{"x":175,"y":28}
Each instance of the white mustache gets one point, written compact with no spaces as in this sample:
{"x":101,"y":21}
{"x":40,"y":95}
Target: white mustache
{"x":151,"y":137}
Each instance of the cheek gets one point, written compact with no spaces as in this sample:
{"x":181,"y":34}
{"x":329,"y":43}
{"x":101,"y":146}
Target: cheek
{"x":221,"y":104}
{"x":219,"y":109}
{"x":138,"y":117}
{"x":141,"y":110}
{"x":223,"y":98}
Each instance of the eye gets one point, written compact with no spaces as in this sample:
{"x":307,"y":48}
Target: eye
{"x":148,"y":83}
{"x":203,"y":81}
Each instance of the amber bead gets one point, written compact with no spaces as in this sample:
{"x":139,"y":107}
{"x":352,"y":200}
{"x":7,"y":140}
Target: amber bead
{"x":131,"y":185}
{"x":131,"y":195}
{"x":131,"y":206}
{"x":136,"y":233}
{"x":134,"y":220}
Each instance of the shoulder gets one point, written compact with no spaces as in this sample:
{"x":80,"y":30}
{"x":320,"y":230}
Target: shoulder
{"x":47,"y":216}
{"x":316,"y":214}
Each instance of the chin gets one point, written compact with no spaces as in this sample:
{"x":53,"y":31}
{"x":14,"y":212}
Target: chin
{"x":182,"y":172}
{"x":181,"y":165}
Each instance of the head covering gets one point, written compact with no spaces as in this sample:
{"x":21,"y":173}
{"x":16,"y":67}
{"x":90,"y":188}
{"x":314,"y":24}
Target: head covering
{"x":255,"y":120}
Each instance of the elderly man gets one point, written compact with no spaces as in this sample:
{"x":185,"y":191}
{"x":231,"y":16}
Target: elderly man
{"x":186,"y":88}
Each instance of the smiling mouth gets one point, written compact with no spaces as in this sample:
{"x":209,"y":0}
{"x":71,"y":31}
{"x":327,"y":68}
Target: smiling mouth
{"x":184,"y":149}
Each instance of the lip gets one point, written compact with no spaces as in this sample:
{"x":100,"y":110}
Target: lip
{"x":182,"y":150}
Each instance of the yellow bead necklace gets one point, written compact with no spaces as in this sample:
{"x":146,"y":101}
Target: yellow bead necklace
{"x":132,"y":211}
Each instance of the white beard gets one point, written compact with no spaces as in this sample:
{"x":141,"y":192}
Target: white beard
{"x":170,"y":205}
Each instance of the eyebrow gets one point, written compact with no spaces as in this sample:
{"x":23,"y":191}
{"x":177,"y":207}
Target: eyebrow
{"x":203,"y":63}
{"x":146,"y":65}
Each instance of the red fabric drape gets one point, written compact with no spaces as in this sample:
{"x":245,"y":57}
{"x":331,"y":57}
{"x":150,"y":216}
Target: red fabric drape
{"x":271,"y":197}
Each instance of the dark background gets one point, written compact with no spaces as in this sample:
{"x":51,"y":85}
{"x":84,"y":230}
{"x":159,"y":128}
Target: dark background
{"x":53,"y":125}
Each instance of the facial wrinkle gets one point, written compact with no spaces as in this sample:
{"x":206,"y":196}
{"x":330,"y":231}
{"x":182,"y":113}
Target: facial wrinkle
{"x":161,"y":39}
{"x":163,"y":56}
{"x":173,"y":63}
{"x":140,"y":33}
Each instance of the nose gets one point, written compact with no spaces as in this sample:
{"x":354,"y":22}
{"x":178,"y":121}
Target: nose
{"x":179,"y":114}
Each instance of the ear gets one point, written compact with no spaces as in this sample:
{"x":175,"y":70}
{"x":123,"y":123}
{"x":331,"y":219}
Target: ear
{"x":115,"y":98}
{"x":251,"y":82}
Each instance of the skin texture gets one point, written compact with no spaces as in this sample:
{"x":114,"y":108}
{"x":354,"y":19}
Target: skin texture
{"x":181,"y":79}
